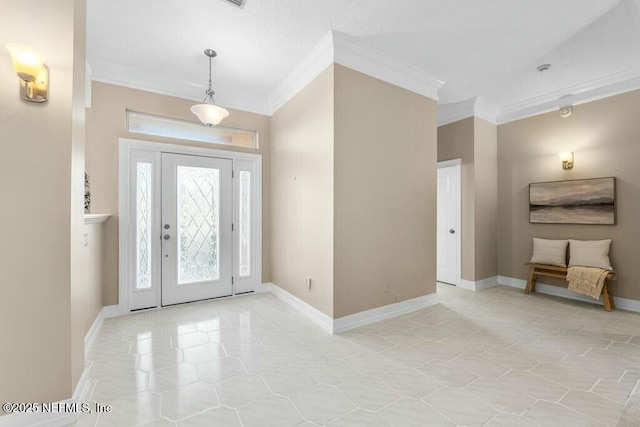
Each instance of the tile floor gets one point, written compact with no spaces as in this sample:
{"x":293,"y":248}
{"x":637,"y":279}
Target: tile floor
{"x":490,"y":358}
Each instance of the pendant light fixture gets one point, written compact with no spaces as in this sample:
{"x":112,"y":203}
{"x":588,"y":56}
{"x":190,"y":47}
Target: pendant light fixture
{"x":208,"y":112}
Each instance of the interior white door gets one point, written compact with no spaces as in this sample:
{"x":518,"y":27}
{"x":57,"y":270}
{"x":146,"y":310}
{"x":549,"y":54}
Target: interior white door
{"x":196,"y":222}
{"x":448,"y":251}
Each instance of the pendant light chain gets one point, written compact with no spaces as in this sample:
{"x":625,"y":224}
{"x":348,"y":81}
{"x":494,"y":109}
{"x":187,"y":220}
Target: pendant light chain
{"x":210,"y":89}
{"x":208,"y":112}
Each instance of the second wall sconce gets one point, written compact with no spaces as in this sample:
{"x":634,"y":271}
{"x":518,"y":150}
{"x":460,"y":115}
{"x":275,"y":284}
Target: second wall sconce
{"x":33,"y":73}
{"x":567,"y":159}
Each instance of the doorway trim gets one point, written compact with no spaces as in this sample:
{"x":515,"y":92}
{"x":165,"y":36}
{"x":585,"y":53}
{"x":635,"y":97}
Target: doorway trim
{"x":126,"y":147}
{"x":457,"y":163}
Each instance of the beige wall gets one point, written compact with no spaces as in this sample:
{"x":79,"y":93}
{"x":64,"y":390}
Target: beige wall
{"x":80,"y":307}
{"x":455,"y":141}
{"x":106,"y":124}
{"x":38,"y":152}
{"x":353,"y":198}
{"x":475,"y":142}
{"x":486,"y":198}
{"x":604,"y":135}
{"x":385,"y":192}
{"x":302,"y":193}
{"x":89,"y":294}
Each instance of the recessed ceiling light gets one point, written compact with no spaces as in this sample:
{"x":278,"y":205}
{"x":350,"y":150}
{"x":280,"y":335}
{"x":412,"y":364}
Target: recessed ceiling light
{"x":544,"y":67}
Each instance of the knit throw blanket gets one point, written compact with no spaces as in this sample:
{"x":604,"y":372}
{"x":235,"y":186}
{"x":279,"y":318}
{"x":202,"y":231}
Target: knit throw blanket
{"x":586,"y":280}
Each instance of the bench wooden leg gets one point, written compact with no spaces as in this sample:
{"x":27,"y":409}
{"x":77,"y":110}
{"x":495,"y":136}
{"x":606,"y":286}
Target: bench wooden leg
{"x":607,"y":298}
{"x":531,"y":284}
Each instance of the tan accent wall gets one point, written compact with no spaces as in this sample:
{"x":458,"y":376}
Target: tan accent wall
{"x":604,"y":135}
{"x":106,"y":123}
{"x":302,"y":155}
{"x":38,"y":152}
{"x":486,"y":198}
{"x":475,"y":142}
{"x":456,"y":141}
{"x":385,"y":192}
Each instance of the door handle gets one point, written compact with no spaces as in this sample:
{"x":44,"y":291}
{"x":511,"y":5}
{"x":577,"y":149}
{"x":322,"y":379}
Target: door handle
{"x":452,"y":231}
{"x":166,"y":237}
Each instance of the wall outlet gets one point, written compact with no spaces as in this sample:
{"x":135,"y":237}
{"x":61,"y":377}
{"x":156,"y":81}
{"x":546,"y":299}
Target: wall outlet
{"x":386,"y":287}
{"x":400,"y":297}
{"x":307,"y":282}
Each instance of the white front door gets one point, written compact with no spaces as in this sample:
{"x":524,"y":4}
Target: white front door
{"x":196,"y":220}
{"x":178,"y":209}
{"x":448,"y":251}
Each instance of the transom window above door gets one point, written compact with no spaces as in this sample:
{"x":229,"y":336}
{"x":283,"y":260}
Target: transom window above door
{"x":150,"y":124}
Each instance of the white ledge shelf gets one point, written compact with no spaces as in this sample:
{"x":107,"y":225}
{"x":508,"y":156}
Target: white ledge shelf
{"x":95,"y":218}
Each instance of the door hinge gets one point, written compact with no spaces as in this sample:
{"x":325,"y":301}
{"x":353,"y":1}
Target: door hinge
{"x":232,"y":280}
{"x":233,"y":174}
{"x":231,"y":226}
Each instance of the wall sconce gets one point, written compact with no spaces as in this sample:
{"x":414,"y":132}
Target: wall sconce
{"x":567,"y":159}
{"x":33,"y":73}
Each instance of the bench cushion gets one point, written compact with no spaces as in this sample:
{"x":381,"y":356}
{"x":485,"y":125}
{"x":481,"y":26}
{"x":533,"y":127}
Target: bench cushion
{"x":552,"y":252}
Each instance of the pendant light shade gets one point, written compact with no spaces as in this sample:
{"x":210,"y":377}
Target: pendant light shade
{"x":208,"y":112}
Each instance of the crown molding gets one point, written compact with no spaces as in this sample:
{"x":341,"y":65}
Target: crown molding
{"x":593,"y":90}
{"x":310,"y":67}
{"x":486,"y":111}
{"x":352,"y":53}
{"x":604,"y":87}
{"x":472,"y":107}
{"x":334,"y":47}
{"x":110,"y":72}
{"x":340,"y":48}
{"x":453,"y":112}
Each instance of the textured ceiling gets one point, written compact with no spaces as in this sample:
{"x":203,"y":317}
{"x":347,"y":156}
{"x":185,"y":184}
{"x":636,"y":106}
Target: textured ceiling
{"x":486,"y":48}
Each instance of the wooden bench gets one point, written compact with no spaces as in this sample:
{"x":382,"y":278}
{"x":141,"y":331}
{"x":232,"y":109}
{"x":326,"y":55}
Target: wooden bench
{"x":561,"y":273}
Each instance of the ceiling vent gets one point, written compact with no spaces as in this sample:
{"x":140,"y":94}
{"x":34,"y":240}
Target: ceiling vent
{"x":239,"y":3}
{"x":544,"y":67}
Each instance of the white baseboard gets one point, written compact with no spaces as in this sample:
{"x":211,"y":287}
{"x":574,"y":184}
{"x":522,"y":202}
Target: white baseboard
{"x":40,"y":419}
{"x":262,"y":288}
{"x":105,"y":313}
{"x":467,"y":284}
{"x":110,"y":311}
{"x":80,"y":393}
{"x":543,"y":288}
{"x":478,"y":285}
{"x":486,"y":283}
{"x":343,"y":324}
{"x":318,"y":317}
{"x":511,"y":282}
{"x":83,"y":388}
{"x":381,"y":313}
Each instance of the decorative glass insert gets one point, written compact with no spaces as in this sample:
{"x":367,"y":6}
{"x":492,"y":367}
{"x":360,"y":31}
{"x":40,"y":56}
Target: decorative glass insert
{"x":198,"y":224}
{"x":149,"y":124}
{"x":143,"y":225}
{"x":245,"y":224}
